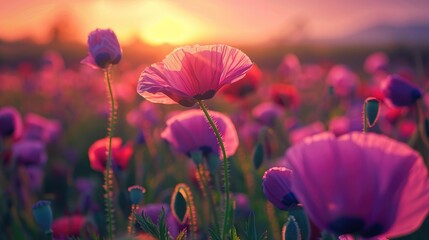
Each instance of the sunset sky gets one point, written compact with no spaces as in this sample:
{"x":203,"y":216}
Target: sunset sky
{"x":191,"y":21}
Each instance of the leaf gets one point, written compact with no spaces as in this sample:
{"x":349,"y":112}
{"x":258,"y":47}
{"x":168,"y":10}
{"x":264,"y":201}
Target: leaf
{"x":263,"y":236}
{"x":251,"y":227}
{"x":147,"y":225}
{"x":162,"y":226}
{"x":214,"y":235}
{"x":234,"y":235}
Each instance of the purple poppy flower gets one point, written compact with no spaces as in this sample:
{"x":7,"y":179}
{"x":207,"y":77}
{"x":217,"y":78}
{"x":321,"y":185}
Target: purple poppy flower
{"x":277,"y":188}
{"x":41,"y":128}
{"x":189,"y":131}
{"x":362,"y":184}
{"x":267,"y":113}
{"x":104,"y":49}
{"x":398,"y":92}
{"x":29,"y":152}
{"x":192,"y":73}
{"x":10,"y":123}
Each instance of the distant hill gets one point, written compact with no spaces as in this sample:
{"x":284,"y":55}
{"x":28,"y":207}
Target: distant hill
{"x":415,"y":33}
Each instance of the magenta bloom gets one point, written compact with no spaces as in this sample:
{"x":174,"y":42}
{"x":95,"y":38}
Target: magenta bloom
{"x":342,"y":80}
{"x":192,"y":73}
{"x":10,"y":123}
{"x":398,"y":92}
{"x":189,"y":131}
{"x":361,"y":184}
{"x":104,"y":49}
{"x":276,"y":184}
{"x":298,"y":134}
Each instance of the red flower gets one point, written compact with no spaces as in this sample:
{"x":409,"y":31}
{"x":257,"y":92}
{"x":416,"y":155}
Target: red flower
{"x":285,"y":95}
{"x":120,"y":154}
{"x":245,"y":86}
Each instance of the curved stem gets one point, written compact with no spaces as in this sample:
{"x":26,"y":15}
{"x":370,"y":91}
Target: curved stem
{"x":109,"y":173}
{"x":225,"y":168}
{"x":204,"y":181}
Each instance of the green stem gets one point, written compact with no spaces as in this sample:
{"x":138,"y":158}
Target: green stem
{"x":225,"y":168}
{"x":209,"y":194}
{"x":109,"y":173}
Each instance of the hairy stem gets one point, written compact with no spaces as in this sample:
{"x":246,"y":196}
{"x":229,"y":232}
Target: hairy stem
{"x":225,"y":168}
{"x":109,"y":173}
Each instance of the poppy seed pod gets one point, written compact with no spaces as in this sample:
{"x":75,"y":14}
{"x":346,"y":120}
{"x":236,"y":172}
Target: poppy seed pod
{"x":42,"y":214}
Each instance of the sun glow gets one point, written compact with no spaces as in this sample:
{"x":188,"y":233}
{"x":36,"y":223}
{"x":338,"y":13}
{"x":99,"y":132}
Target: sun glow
{"x":169,"y":24}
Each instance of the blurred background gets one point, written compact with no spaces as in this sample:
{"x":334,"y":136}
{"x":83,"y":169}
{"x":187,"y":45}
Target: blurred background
{"x":266,"y":30}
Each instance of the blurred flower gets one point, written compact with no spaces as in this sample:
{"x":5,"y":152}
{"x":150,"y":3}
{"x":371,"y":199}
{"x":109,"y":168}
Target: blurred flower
{"x":40,"y":128}
{"x":104,"y":49}
{"x":398,"y":92}
{"x":192,"y":73}
{"x":284,"y":95}
{"x":289,"y":66}
{"x":120,"y":154}
{"x":145,"y":115}
{"x":277,"y":188}
{"x":136,"y":193}
{"x":406,"y":128}
{"x":42,"y":214}
{"x":10,"y":123}
{"x":189,"y":131}
{"x":362,"y":184}
{"x":242,"y":205}
{"x":376,"y":62}
{"x":246,"y":86}
{"x":35,"y":176}
{"x":298,"y":134}
{"x":342,"y":80}
{"x":68,"y":226}
{"x":267,"y":113}
{"x":29,"y":152}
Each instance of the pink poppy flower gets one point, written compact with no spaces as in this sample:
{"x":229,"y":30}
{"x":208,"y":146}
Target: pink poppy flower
{"x":192,"y":73}
{"x":244,"y":87}
{"x":189,"y":131}
{"x":120,"y":154}
{"x":362,"y":184}
{"x":104,"y":49}
{"x":289,"y":66}
{"x":10,"y":123}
